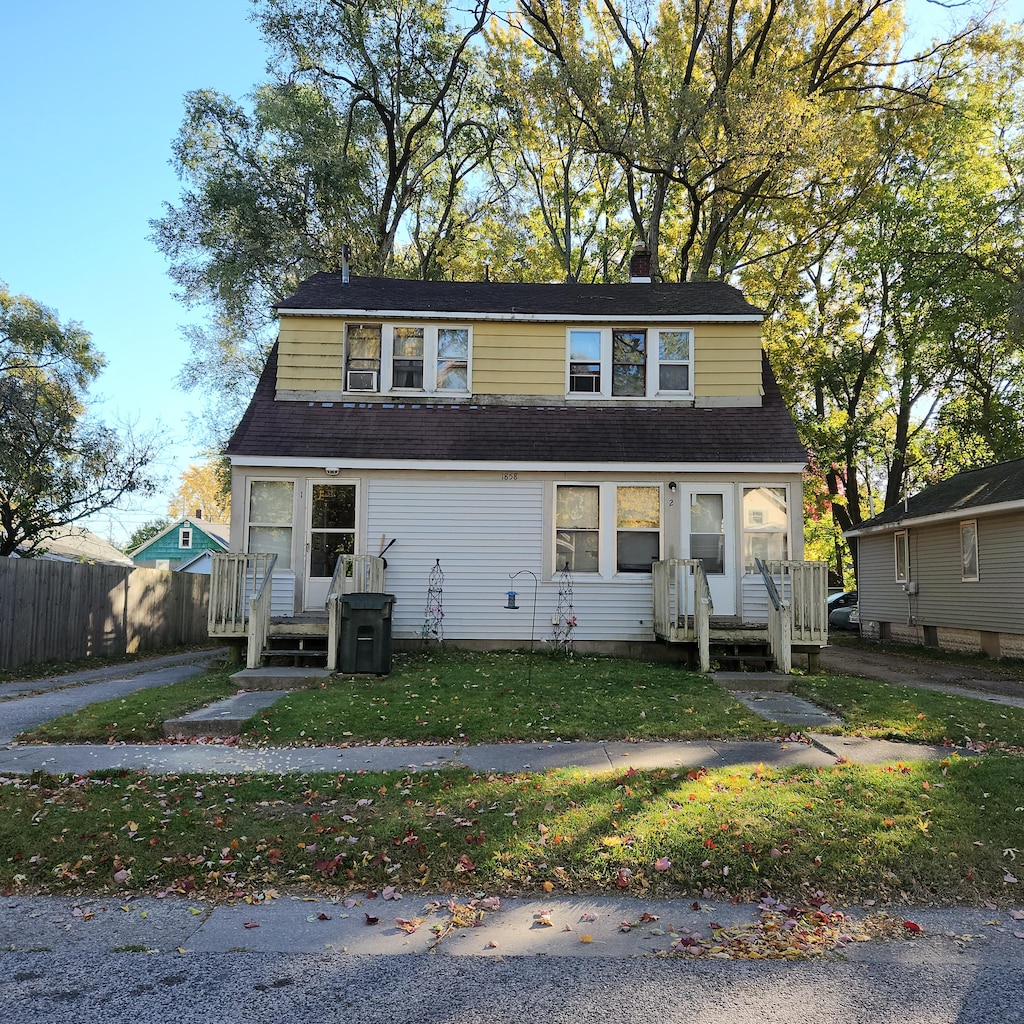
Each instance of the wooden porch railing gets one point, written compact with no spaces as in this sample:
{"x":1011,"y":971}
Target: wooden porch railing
{"x":259,"y":617}
{"x":234,"y":578}
{"x":353,"y":574}
{"x":780,"y":622}
{"x":683,"y":609}
{"x":804,"y":585}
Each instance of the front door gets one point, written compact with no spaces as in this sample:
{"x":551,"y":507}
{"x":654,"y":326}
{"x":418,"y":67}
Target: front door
{"x":332,"y":532}
{"x":709,"y":534}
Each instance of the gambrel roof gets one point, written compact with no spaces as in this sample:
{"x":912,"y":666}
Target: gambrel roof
{"x":438,"y":431}
{"x":713,"y":300}
{"x":989,"y":488}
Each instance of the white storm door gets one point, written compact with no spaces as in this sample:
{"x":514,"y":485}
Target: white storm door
{"x":331,"y":532}
{"x":709,"y":532}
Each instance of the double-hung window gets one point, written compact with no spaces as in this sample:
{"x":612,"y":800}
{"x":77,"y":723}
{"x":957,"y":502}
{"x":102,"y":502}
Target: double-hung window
{"x":765,"y":525}
{"x":185,"y":537}
{"x":583,"y":542}
{"x":627,"y":362}
{"x":407,"y":357}
{"x":271,"y":504}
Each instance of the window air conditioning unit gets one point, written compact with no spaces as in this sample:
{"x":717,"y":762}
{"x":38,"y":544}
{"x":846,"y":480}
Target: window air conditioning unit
{"x":361,"y":380}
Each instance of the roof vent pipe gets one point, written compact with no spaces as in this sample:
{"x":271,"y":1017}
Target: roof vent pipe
{"x":346,"y":252}
{"x":640,"y":265}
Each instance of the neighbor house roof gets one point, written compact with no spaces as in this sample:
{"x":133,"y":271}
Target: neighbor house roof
{"x":77,"y":544}
{"x":362,"y":295}
{"x":465,"y":432}
{"x":970,"y":492}
{"x":218,"y":532}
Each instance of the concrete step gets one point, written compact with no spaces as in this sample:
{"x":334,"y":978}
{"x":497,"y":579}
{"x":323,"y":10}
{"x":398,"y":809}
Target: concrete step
{"x":223,"y":718}
{"x":284,"y":677}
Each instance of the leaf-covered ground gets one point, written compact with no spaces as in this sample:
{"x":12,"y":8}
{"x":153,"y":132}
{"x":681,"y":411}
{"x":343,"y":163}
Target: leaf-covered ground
{"x":933,"y":831}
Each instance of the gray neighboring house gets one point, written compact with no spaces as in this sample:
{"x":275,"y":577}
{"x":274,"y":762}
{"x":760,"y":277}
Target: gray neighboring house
{"x":946,"y":567}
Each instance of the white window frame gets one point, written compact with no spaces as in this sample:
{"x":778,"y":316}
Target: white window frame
{"x":185,"y":538}
{"x":752,"y":518}
{"x":652,"y":388}
{"x":969,"y":528}
{"x":431,"y":360}
{"x":607,"y":529}
{"x":290,"y":525}
{"x":901,"y":560}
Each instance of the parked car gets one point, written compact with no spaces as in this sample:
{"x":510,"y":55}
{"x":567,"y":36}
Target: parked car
{"x":846,"y":617}
{"x":844,"y":599}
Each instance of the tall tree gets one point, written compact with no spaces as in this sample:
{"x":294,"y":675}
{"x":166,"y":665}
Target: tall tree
{"x":204,"y":487}
{"x":57,"y":466}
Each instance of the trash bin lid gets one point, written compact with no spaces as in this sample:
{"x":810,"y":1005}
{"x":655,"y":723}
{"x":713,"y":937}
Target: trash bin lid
{"x":368,"y":601}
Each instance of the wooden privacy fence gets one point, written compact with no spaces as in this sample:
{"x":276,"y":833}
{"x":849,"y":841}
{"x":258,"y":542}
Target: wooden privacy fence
{"x":64,"y":610}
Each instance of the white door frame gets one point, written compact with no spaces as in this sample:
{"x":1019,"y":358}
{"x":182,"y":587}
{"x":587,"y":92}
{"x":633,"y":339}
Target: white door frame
{"x":315,"y":587}
{"x":724,"y":586}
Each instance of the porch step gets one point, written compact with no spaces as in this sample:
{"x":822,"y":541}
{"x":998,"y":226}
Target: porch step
{"x":284,"y":677}
{"x":294,"y":647}
{"x":739,"y":656}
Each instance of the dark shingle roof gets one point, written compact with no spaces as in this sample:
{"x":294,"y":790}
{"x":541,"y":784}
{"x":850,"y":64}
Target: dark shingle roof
{"x":462,"y":298}
{"x":434,"y":431}
{"x":971,"y":489}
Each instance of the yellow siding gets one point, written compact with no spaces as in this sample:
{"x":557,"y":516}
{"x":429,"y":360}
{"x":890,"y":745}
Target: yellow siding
{"x":518,"y":359}
{"x":524,"y":358}
{"x":310,"y":352}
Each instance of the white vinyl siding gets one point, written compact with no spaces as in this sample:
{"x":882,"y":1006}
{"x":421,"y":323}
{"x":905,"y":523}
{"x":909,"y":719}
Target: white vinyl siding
{"x":483,"y":529}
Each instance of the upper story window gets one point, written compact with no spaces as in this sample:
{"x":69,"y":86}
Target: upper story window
{"x":185,"y":537}
{"x":630,"y":363}
{"x":407,"y":357}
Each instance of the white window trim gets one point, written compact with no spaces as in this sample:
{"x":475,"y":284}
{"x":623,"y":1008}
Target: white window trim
{"x":249,"y":522}
{"x":607,"y":530}
{"x":385,"y":383}
{"x":977,"y":553}
{"x":745,"y":527}
{"x":902,"y":572}
{"x":185,"y":538}
{"x":308,"y":528}
{"x":651,"y":389}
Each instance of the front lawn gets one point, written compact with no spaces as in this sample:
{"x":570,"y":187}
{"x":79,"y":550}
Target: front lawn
{"x":920,"y":832}
{"x":452,"y":696}
{"x":882,"y":710}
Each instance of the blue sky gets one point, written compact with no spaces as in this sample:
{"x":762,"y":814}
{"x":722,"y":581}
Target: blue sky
{"x":93,"y":98}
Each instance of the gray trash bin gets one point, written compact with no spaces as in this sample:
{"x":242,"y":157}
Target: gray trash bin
{"x":365,"y":642}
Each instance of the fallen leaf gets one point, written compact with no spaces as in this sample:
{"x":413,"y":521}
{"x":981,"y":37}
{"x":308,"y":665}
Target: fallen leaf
{"x":586,"y":939}
{"x":662,"y":864}
{"x":910,"y":926}
{"x":409,"y":925}
{"x":371,"y":920}
{"x":251,"y":924}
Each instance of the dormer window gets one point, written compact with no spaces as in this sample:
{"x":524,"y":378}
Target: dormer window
{"x":416,"y":357}
{"x":630,"y":362}
{"x":362,"y":357}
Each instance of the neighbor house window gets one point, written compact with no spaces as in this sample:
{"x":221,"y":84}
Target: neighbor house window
{"x":271,"y":505}
{"x":620,"y":362}
{"x":577,"y":528}
{"x":969,"y":550}
{"x":185,"y":537}
{"x":637,"y":528}
{"x":901,"y":554}
{"x":765,"y":525}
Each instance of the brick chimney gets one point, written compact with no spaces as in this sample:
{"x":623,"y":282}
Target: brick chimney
{"x":640,"y":264}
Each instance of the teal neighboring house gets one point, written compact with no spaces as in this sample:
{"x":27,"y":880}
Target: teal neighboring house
{"x":180,"y":543}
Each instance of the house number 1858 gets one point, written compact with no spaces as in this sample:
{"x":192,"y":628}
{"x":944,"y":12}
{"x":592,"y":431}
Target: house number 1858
{"x":509,"y":476}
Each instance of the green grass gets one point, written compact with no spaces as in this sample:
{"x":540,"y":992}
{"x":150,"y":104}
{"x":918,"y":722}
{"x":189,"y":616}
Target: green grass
{"x":882,"y":710}
{"x":464,"y":697}
{"x":923,"y":832}
{"x":135,"y":718}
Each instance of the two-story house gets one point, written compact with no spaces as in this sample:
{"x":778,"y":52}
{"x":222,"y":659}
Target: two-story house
{"x":493,"y":427}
